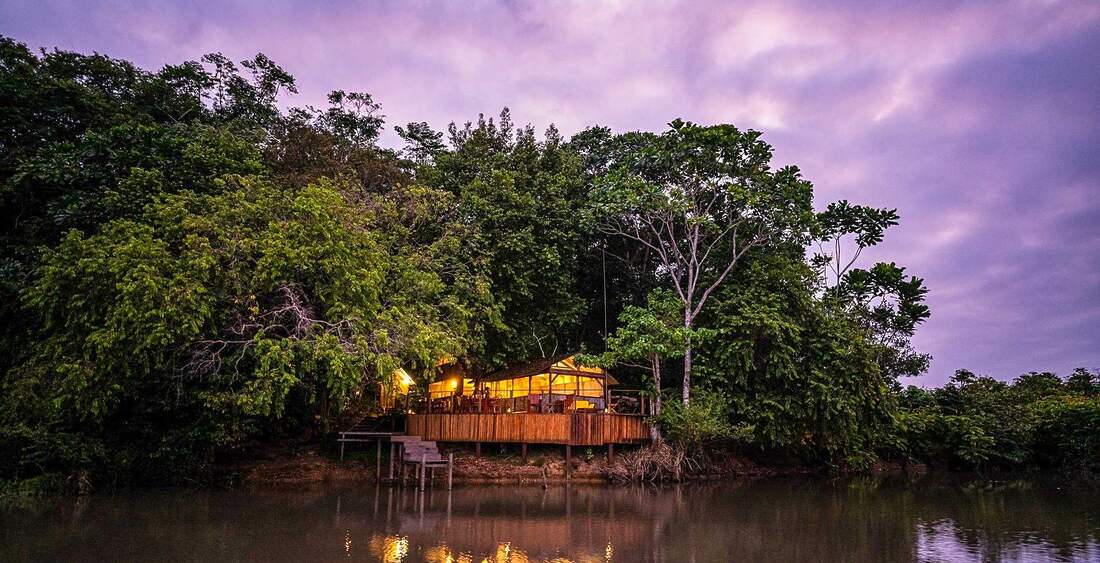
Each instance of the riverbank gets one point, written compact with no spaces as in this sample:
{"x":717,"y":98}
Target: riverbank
{"x":289,"y":468}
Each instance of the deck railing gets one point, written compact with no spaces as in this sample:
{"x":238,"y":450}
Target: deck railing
{"x":618,"y":401}
{"x":577,"y":429}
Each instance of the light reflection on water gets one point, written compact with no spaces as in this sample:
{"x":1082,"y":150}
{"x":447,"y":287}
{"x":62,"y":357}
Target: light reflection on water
{"x":943,"y":541}
{"x":780,"y":520}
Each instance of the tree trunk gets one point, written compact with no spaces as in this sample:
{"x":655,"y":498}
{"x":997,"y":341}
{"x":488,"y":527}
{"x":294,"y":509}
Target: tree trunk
{"x":687,"y":355}
{"x":687,"y":373}
{"x":655,"y":406}
{"x":655,"y":367}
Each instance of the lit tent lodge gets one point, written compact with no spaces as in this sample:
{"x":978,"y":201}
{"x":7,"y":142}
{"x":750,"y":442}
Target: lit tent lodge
{"x":554,"y":384}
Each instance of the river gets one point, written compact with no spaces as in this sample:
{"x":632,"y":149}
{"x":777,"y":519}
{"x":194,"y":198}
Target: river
{"x":764,"y":521}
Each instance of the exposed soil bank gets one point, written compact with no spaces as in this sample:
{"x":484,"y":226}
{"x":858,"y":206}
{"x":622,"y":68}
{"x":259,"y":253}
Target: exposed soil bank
{"x":544,"y":465}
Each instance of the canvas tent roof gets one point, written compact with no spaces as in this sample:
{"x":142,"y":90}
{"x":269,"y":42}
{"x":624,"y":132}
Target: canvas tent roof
{"x":561,"y":364}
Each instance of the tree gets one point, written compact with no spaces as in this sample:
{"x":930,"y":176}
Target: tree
{"x":649,"y":334}
{"x":890,"y":305}
{"x":422,"y":143}
{"x":1083,"y":382}
{"x":221,"y":314}
{"x":524,"y":201}
{"x":802,"y":377}
{"x":842,"y":224}
{"x":87,"y":139}
{"x":699,"y":198}
{"x":887,"y":302}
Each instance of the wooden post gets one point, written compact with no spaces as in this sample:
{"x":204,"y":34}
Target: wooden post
{"x":523,"y":449}
{"x":423,"y":467}
{"x":568,"y":462}
{"x":341,"y":447}
{"x":450,"y":474}
{"x":391,"y":459}
{"x":606,"y":393}
{"x":378,"y":462}
{"x":477,"y":449}
{"x":610,"y":453}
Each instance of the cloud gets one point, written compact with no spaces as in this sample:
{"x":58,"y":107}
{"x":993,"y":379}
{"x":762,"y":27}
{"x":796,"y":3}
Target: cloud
{"x":980,"y":122}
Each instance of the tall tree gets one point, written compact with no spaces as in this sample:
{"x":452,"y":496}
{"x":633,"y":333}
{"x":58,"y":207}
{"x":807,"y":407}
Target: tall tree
{"x":884,"y":299}
{"x":524,"y":200}
{"x":646,"y":337}
{"x":699,"y":198}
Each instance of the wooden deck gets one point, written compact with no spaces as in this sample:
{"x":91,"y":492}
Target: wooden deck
{"x":576,"y":429}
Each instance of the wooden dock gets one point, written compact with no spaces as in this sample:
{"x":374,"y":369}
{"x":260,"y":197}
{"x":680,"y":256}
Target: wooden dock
{"x":572,"y":429}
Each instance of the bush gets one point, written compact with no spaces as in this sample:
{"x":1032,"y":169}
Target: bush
{"x":705,"y":419}
{"x":1067,"y":434}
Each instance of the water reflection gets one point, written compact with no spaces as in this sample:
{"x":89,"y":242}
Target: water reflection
{"x":859,"y":520}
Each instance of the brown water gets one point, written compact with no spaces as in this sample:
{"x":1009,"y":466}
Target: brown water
{"x":802,"y":520}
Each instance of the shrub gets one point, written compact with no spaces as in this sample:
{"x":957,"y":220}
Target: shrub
{"x":705,"y":419}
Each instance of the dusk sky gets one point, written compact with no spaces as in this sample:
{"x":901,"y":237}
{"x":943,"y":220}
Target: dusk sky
{"x":979,"y":122}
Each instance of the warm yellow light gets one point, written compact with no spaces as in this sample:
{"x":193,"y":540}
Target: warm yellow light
{"x":395,"y":549}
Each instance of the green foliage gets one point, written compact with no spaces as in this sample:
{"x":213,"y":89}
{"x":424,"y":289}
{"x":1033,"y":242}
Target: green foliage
{"x":652,"y":330}
{"x":186,"y":268}
{"x":250,"y":305}
{"x":647,"y":337}
{"x":803,"y":377}
{"x":975,"y":421}
{"x":705,"y":419}
{"x":85,"y":139}
{"x":524,"y":201}
{"x":1083,"y":382}
{"x":1066,"y":434}
{"x":888,"y":303}
{"x":699,"y":198}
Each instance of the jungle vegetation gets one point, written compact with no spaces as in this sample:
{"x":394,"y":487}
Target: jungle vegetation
{"x":188,"y":267}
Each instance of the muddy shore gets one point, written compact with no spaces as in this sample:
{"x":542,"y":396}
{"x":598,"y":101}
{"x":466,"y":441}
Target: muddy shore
{"x":310,"y":466}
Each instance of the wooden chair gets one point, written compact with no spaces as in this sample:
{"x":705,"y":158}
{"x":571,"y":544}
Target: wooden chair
{"x":424,"y":456}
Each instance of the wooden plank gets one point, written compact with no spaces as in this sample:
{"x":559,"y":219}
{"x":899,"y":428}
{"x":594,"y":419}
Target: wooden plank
{"x":578,"y":429}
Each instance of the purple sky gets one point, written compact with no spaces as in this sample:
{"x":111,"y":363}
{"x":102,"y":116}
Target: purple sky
{"x":979,"y":122}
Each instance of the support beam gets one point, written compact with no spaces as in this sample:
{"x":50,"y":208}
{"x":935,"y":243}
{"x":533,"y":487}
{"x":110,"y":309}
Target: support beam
{"x":477,"y":449}
{"x":378,"y":462}
{"x":391,"y":459}
{"x":423,"y":469}
{"x":450,"y":475}
{"x":523,"y":449}
{"x":611,"y":454}
{"x":568,"y":462}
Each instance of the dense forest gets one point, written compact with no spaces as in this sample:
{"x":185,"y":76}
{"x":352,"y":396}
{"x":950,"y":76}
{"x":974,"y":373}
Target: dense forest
{"x":189,"y":267}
